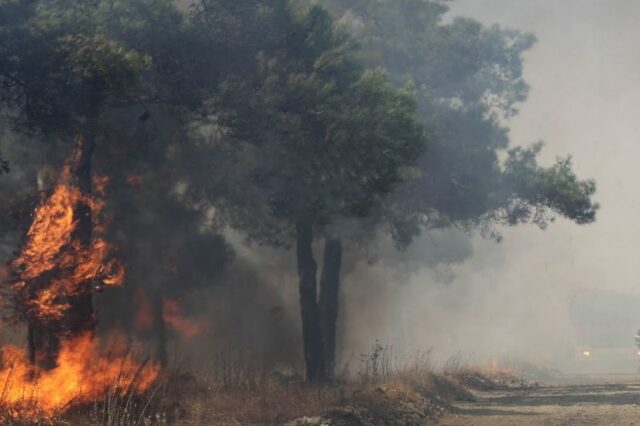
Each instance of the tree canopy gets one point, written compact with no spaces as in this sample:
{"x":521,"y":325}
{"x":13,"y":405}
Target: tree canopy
{"x":469,"y":82}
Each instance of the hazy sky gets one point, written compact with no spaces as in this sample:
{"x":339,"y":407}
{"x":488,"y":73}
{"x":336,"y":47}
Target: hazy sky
{"x":516,"y":298}
{"x":584,"y":74}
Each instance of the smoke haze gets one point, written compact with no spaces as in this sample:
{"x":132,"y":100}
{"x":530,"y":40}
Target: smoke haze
{"x":540,"y":296}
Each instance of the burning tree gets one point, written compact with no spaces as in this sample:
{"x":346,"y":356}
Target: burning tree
{"x":64,"y":258}
{"x":63,"y":66}
{"x":77,"y":75}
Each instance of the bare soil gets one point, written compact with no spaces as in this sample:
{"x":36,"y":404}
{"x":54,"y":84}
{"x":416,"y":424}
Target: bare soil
{"x":612,"y":400}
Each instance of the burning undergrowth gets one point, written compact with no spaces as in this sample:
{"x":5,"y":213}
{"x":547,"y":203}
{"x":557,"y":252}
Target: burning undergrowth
{"x":64,"y":259}
{"x":83,"y":374}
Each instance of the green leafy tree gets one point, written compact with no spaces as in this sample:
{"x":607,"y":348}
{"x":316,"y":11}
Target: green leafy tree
{"x":469,"y":82}
{"x":320,"y":138}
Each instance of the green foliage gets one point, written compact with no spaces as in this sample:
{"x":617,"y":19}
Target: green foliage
{"x":310,"y":130}
{"x":468,"y":81}
{"x":462,"y":62}
{"x":533,"y":188}
{"x":102,"y":63}
{"x":329,"y":139}
{"x":62,"y":59}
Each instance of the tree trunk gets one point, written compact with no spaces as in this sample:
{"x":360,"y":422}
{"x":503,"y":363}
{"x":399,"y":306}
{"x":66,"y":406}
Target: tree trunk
{"x":44,"y":339}
{"x":329,"y":291}
{"x":44,"y":345}
{"x":80,"y":316}
{"x":311,"y":328}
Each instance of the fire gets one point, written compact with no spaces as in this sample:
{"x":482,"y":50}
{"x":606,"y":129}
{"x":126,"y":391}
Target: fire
{"x":172,"y":315}
{"x":134,"y":179}
{"x":50,"y":245}
{"x":82,"y":375}
{"x":143,"y":319}
{"x":497,"y":367}
{"x":65,"y":258}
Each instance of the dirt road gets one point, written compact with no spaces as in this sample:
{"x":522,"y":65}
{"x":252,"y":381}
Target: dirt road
{"x":577,"y":403}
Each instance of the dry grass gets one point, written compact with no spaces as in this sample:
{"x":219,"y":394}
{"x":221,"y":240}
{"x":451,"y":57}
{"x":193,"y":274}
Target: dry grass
{"x":237,"y":390}
{"x":383,"y":364}
{"x":384,"y":386}
{"x":272,"y":405}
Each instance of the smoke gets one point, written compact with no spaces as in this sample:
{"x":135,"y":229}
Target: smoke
{"x":537,"y":296}
{"x":540,"y":296}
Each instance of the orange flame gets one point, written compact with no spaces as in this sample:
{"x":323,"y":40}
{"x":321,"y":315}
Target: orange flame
{"x":143,"y":319}
{"x":172,"y":314}
{"x":133,"y":179}
{"x":496,"y":367}
{"x":50,"y":245}
{"x":82,"y":375}
{"x":55,"y":264}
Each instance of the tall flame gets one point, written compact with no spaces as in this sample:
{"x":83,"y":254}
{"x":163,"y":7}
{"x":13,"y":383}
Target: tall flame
{"x":50,"y":245}
{"x":55,"y":265}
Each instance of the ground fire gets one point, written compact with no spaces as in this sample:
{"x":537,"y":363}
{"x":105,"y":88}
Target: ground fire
{"x":59,"y":267}
{"x":82,"y":374}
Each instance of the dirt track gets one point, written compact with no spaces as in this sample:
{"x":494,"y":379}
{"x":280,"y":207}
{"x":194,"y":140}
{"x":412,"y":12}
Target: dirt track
{"x":605,"y":403}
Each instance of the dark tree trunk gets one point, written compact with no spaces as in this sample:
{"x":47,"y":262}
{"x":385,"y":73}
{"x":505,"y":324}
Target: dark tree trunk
{"x":160,"y":328}
{"x":329,"y":290}
{"x":44,"y":345}
{"x":311,"y":328}
{"x":44,"y":340}
{"x":80,"y":316}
